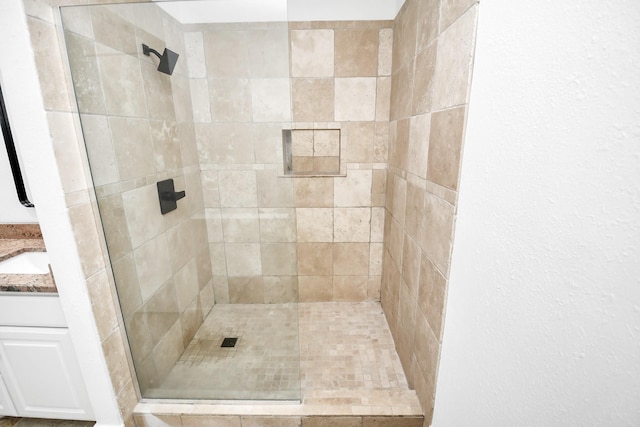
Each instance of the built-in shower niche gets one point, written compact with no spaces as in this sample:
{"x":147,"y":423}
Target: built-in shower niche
{"x":311,"y":152}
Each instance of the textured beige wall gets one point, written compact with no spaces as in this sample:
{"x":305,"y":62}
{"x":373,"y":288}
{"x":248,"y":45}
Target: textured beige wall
{"x":432,"y":59}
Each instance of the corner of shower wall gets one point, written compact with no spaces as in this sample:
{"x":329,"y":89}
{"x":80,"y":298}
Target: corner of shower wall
{"x":433,"y":51}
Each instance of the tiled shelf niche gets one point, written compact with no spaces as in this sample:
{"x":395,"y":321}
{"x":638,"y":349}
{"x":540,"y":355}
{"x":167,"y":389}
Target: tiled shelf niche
{"x":311,"y":152}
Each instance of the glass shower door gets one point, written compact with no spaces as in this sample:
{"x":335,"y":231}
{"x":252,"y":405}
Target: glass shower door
{"x":184,"y":140}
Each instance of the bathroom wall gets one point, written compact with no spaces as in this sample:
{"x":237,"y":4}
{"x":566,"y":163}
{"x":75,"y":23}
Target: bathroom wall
{"x":543,"y":318}
{"x":274,"y":238}
{"x":432,"y":57}
{"x":138,"y":129}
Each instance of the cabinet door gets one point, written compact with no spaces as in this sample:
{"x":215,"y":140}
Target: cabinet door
{"x":6,"y":406}
{"x":41,"y":373}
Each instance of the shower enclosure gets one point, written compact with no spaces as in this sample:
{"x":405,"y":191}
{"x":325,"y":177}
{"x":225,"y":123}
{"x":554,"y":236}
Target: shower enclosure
{"x":239,"y":169}
{"x":183,"y":127}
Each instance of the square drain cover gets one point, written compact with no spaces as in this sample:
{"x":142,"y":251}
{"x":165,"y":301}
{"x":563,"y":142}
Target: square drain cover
{"x":229,"y":342}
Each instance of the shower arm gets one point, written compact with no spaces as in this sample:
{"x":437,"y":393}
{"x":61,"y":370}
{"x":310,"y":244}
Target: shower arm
{"x":147,"y":50}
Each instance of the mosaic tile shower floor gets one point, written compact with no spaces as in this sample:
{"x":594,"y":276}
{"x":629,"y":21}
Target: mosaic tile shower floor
{"x":348,"y":362}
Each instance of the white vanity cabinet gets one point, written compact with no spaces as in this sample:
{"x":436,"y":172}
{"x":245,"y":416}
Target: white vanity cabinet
{"x":40,"y":376}
{"x":6,"y":405}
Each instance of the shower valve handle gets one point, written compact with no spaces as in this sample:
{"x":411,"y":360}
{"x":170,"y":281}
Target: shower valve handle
{"x":168,"y":196}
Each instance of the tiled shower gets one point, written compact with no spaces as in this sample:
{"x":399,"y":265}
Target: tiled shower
{"x":378,"y":226}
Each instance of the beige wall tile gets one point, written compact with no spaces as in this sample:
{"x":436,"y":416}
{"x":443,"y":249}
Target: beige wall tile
{"x":280,"y":289}
{"x":312,"y":53}
{"x":302,"y":143}
{"x":313,"y":192}
{"x":328,"y":421}
{"x":86,"y":74}
{"x":404,"y":335}
{"x":243,"y":259}
{"x":161,"y":313}
{"x":46,"y":52}
{"x":153,"y":265}
{"x":373,"y":288}
{"x":385,"y":49}
{"x":158,"y":93}
{"x":271,"y":100}
{"x":115,"y":226}
{"x":267,"y":141}
{"x":246,"y":290}
{"x":356,"y":53}
{"x":279,"y":259}
{"x":436,"y":239}
{"x":404,"y":35}
{"x":411,"y":256}
{"x":354,"y":189}
{"x":352,"y":224}
{"x":313,"y":99}
{"x":445,"y":147}
{"x":86,"y":235}
{"x":113,"y":348}
{"x":218,"y":259}
{"x":355,"y":99}
{"x":455,"y":52}
{"x":194,"y":53}
{"x":170,"y":347}
{"x":64,"y":129}
{"x":269,"y":52}
{"x":399,"y":199}
{"x":427,"y":348}
{"x":381,"y":143}
{"x":186,"y":284}
{"x":452,"y":10}
{"x":121,"y":82}
{"x":432,"y":295}
{"x":230,"y":100}
{"x":375,"y":259}
{"x":414,"y":212}
{"x":210,"y":191}
{"x":224,"y":143}
{"x":350,"y":288}
{"x":230,"y":45}
{"x":274,"y":191}
{"x":210,"y":421}
{"x":383,"y":99}
{"x":314,"y":224}
{"x":126,"y":278}
{"x":143,"y":214}
{"x":200,"y":100}
{"x":191,"y":320}
{"x":315,"y":259}
{"x":238,"y":188}
{"x":378,"y":187}
{"x":423,"y":83}
{"x":221,"y":289}
{"x":302,"y":165}
{"x":326,"y":142}
{"x":315,"y":288}
{"x":418,"y":145}
{"x":351,"y":259}
{"x":359,"y":142}
{"x":395,"y":242}
{"x":102,"y":303}
{"x":428,"y":12}
{"x":180,"y":240}
{"x":326,"y":165}
{"x":114,"y":31}
{"x":402,"y":92}
{"x":425,"y":391}
{"x":203,"y":261}
{"x":166,"y":145}
{"x":133,"y":147}
{"x":277,"y":225}
{"x":102,"y":157}
{"x":377,"y":224}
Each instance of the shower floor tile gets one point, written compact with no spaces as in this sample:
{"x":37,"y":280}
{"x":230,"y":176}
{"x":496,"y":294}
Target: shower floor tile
{"x":348,"y":363}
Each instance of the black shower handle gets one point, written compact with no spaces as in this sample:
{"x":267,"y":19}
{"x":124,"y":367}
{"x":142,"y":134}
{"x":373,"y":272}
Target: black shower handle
{"x":168,"y":196}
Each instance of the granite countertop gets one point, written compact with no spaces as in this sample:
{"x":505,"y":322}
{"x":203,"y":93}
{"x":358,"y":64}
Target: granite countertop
{"x":15,"y":240}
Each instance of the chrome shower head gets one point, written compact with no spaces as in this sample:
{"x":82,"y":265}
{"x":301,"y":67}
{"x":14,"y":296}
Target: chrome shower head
{"x":168,"y":59}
